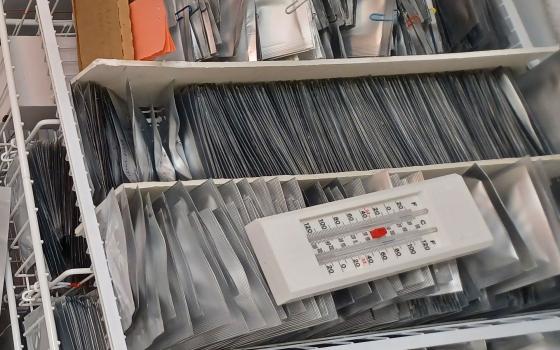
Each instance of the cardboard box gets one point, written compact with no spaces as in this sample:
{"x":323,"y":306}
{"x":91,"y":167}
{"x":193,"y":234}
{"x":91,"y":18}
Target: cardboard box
{"x":103,"y":29}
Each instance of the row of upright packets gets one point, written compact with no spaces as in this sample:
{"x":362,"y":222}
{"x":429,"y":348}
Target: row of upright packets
{"x":57,"y":214}
{"x":78,"y":320}
{"x":183,"y":273}
{"x":210,"y":131}
{"x":195,"y":30}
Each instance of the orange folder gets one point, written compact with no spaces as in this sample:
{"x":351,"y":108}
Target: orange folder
{"x":150,"y":30}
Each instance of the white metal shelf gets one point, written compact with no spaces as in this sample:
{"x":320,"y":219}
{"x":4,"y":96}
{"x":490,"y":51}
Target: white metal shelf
{"x":550,"y":163}
{"x":448,"y":334}
{"x":150,"y":77}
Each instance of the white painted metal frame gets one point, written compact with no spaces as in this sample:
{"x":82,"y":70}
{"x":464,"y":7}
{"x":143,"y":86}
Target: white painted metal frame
{"x":12,"y":307}
{"x":8,"y":278}
{"x":28,"y":293}
{"x":28,"y":195}
{"x":80,"y":177}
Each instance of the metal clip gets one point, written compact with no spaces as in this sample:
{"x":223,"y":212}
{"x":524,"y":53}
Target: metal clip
{"x":188,"y":7}
{"x":380,"y":17}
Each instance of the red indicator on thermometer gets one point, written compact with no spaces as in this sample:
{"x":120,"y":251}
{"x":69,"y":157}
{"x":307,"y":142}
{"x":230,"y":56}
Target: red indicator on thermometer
{"x":378,"y":232}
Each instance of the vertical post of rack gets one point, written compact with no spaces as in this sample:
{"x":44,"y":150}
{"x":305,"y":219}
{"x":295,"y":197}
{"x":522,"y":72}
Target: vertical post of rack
{"x":12,"y":306}
{"x":27,"y":189}
{"x":81,"y":184}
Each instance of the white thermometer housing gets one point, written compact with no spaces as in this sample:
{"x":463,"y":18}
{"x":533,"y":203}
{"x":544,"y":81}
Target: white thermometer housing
{"x":340,"y":244}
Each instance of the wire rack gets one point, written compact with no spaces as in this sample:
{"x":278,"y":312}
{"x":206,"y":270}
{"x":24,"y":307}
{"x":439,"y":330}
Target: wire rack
{"x":22,"y":17}
{"x":28,"y":283}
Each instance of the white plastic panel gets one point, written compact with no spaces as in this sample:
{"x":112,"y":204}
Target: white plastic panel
{"x":336,"y":245}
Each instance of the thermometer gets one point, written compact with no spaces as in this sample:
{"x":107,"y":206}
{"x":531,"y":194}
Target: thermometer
{"x":340,"y":244}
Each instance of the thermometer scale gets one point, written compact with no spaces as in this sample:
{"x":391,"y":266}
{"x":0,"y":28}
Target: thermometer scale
{"x":336,"y":245}
{"x":384,"y":231}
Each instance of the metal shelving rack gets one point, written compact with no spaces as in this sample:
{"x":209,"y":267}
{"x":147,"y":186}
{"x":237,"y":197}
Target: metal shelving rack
{"x":81,"y":184}
{"x":20,"y":145}
{"x":28,"y":283}
{"x":147,"y":77}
